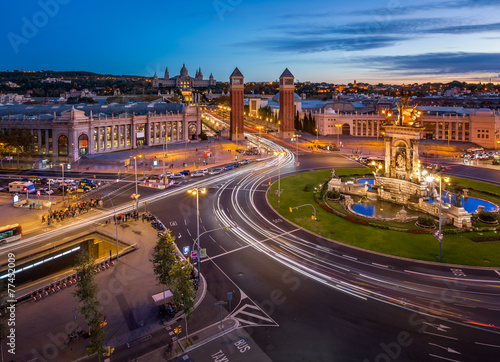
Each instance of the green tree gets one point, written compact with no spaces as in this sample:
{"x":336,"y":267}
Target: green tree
{"x":183,"y":289}
{"x":164,"y":258}
{"x":86,"y":292}
{"x":18,"y":140}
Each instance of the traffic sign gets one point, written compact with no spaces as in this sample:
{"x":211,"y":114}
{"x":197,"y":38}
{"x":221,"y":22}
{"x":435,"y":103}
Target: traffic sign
{"x":185,"y":250}
{"x":203,"y":253}
{"x":194,"y":254}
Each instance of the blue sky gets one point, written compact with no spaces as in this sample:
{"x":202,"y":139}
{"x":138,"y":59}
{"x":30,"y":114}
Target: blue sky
{"x":393,"y":41}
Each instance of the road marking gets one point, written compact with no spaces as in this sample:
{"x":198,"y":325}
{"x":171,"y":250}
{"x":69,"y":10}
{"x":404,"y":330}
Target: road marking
{"x":439,"y":327}
{"x":349,"y":257}
{"x":496,"y":271}
{"x":173,"y":223}
{"x":442,"y":277}
{"x":448,"y":359}
{"x":188,"y":232}
{"x":440,"y":335}
{"x":486,"y":344}
{"x":458,"y":272}
{"x":383,"y":266}
{"x":448,"y":349}
{"x":180,"y":236}
{"x":185,"y":222}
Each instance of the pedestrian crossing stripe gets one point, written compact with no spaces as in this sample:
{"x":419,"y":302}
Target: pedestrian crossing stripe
{"x":251,"y":315}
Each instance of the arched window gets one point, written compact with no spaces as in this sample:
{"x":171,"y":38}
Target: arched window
{"x":62,"y":145}
{"x":192,"y":131}
{"x":83,"y":145}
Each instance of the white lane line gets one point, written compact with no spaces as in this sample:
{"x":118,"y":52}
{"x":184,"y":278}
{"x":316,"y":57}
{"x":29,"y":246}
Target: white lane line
{"x":188,"y":232}
{"x":448,"y":359}
{"x":440,"y":335}
{"x":185,"y":222}
{"x":383,"y":266}
{"x":349,"y":257}
{"x":496,"y":271}
{"x":486,"y":344}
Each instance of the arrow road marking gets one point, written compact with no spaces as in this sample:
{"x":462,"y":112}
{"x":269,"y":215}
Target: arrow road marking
{"x":447,"y":359}
{"x":439,"y":327}
{"x":180,"y":236}
{"x":439,"y":335}
{"x":489,"y":345}
{"x":448,"y":349}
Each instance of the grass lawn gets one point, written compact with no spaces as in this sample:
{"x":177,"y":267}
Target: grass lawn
{"x":456,"y":249}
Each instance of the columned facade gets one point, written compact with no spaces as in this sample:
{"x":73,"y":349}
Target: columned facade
{"x":237,"y":87}
{"x":73,"y":134}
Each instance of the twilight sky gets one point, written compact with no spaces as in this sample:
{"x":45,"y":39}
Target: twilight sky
{"x":393,"y":41}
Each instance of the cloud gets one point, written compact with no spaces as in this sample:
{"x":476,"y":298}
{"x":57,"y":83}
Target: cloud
{"x":437,"y":63}
{"x":467,"y":29}
{"x":315,"y":44}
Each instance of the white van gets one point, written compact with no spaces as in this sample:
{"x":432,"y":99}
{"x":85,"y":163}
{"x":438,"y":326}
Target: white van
{"x":22,"y":186}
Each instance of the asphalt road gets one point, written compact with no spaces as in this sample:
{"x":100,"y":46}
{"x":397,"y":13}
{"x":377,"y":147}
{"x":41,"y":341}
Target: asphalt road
{"x":300,"y":297}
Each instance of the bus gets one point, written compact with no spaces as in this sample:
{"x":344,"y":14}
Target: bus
{"x":10,"y":233}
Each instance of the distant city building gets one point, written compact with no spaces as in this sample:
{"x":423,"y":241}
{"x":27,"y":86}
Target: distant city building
{"x":73,"y":93}
{"x":183,"y":80}
{"x":56,"y":80}
{"x":481,"y":126}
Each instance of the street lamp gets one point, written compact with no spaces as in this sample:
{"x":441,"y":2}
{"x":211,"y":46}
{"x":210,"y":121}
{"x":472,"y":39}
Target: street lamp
{"x":116,"y":225}
{"x":439,"y":234}
{"x":314,"y":212}
{"x":279,"y":154}
{"x":296,"y":136}
{"x":165,"y":150}
{"x":338,"y":134}
{"x":317,"y":136}
{"x":136,"y":195}
{"x":196,"y":191}
{"x":62,"y":168}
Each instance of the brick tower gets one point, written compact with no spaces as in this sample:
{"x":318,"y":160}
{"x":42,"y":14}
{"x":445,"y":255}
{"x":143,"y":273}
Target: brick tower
{"x":236,"y":81}
{"x":287,"y":107}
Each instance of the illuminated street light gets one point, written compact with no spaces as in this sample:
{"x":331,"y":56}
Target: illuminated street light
{"x":136,"y":195}
{"x":279,"y":154}
{"x":62,"y":168}
{"x":439,"y":234}
{"x":196,"y":191}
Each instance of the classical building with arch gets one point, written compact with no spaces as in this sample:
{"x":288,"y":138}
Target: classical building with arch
{"x":481,"y":126}
{"x":183,"y":80}
{"x":64,"y":133}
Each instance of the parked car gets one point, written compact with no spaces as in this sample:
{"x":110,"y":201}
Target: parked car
{"x":204,"y":170}
{"x":185,"y":172}
{"x":169,"y":175}
{"x":177,"y":175}
{"x":215,"y":171}
{"x":228,"y":167}
{"x":46,"y":191}
{"x":198,"y":173}
{"x":244,"y":162}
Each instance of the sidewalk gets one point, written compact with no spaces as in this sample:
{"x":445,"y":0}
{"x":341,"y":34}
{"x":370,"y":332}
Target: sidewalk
{"x":125,"y":292}
{"x":196,"y":339}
